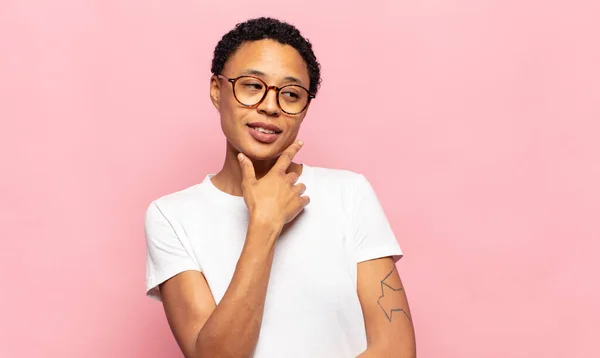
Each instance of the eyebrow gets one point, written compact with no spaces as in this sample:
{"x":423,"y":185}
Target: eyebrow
{"x":254,"y":72}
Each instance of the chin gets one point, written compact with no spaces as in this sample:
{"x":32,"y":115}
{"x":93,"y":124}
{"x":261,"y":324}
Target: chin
{"x":254,"y":149}
{"x":257,"y":151}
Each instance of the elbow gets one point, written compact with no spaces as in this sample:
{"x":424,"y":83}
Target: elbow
{"x":212,"y":352}
{"x":210,"y":347}
{"x":392,"y":350}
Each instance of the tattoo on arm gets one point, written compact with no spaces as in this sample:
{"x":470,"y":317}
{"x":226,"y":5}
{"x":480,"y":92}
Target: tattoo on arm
{"x":386,"y":300}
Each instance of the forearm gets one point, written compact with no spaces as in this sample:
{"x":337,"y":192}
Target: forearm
{"x":373,"y":352}
{"x":233,"y":327}
{"x":369,"y":353}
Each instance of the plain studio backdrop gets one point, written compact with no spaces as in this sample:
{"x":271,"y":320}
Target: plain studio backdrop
{"x":477,"y":122}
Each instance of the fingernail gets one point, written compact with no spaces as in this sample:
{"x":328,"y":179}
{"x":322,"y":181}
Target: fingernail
{"x":300,"y":143}
{"x":240,"y":157}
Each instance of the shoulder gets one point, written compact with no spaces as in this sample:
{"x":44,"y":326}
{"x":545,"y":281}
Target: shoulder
{"x":176,"y":202}
{"x":342,"y":186}
{"x":322,"y":175}
{"x":337,"y":179}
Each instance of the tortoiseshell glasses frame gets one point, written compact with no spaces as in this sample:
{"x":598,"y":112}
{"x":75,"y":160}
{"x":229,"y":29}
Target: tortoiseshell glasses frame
{"x":266,"y":89}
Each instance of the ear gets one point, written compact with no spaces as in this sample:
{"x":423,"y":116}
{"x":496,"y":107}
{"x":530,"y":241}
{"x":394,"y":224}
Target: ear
{"x":215,"y":91}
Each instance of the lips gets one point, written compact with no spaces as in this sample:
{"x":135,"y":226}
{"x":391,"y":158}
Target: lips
{"x":265,"y":127}
{"x":264,"y":132}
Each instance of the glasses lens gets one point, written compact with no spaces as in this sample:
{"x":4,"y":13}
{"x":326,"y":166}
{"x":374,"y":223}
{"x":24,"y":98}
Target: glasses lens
{"x":249,"y":90}
{"x":293,"y":99}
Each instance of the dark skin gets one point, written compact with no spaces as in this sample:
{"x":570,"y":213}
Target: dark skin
{"x":265,"y":175}
{"x":275,"y":62}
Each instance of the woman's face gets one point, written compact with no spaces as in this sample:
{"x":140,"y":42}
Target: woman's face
{"x":277,"y":65}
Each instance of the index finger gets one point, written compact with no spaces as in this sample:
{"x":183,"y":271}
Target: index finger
{"x":285,"y":159}
{"x":247,"y":167}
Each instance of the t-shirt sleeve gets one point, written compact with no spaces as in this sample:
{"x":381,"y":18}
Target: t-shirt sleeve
{"x":373,"y":233}
{"x":166,"y":255}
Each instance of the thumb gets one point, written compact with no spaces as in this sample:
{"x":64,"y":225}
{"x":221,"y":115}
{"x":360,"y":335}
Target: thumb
{"x":247,"y":167}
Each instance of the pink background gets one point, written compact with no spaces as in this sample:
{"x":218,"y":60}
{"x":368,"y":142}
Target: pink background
{"x":477,"y":122}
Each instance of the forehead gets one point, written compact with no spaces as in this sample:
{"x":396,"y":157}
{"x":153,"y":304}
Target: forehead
{"x":270,"y":57}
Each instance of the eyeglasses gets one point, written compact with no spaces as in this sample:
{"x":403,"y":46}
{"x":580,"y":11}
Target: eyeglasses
{"x":250,"y":91}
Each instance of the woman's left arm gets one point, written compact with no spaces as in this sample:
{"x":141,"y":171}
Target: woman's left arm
{"x":388,"y":322}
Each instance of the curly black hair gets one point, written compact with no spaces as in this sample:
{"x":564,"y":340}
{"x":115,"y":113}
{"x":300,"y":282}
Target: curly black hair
{"x":267,"y":28}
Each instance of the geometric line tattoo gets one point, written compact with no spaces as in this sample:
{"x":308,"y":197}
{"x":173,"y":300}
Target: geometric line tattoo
{"x":386,"y":299}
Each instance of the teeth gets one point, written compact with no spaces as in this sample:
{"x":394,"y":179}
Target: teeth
{"x":264,"y":130}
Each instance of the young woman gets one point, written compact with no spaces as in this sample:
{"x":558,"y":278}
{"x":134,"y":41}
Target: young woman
{"x":246,"y":265}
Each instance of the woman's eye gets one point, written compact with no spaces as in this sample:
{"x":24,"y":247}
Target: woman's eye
{"x":290,"y":95}
{"x":253,"y":86}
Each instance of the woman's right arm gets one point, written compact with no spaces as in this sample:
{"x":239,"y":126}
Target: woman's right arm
{"x":230,"y":329}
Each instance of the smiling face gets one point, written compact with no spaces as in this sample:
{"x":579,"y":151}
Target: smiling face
{"x":264,"y":131}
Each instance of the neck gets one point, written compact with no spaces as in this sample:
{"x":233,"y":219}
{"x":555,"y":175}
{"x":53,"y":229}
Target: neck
{"x":229,"y":178}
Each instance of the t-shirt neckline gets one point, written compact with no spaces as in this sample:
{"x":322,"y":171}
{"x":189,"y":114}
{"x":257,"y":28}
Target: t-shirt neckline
{"x":234,"y":201}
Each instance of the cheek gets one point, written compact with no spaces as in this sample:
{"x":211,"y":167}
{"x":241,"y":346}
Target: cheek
{"x":232,"y":119}
{"x":292,"y":131}
{"x":228,"y":106}
{"x":228,"y":109}
{"x":295,"y":124}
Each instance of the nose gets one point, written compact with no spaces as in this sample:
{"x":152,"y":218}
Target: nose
{"x":269,"y":105}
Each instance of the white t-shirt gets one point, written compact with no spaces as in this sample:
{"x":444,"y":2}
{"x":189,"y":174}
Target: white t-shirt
{"x":312,"y":307}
